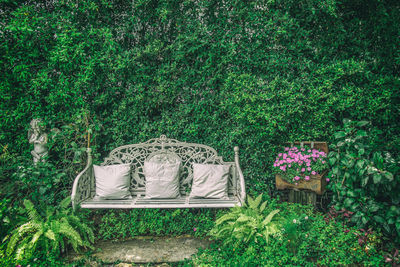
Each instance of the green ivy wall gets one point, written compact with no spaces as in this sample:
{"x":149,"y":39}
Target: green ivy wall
{"x":220,"y":72}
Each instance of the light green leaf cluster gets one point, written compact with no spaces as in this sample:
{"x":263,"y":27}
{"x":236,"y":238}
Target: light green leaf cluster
{"x":245,"y":224}
{"x":52,"y":232}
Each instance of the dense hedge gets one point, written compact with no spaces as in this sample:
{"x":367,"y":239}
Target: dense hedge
{"x":223,"y":73}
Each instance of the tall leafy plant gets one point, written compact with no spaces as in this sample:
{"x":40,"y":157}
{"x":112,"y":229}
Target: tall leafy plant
{"x":366,"y":180}
{"x":50,"y":233}
{"x":243,"y":225}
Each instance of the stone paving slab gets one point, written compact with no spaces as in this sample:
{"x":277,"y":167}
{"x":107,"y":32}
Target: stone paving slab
{"x":148,"y":249}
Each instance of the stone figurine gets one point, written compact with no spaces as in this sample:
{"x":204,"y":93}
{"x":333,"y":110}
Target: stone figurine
{"x":39,"y":139}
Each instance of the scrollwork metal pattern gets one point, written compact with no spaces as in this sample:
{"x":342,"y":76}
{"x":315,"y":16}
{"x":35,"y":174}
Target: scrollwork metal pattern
{"x":189,"y":153}
{"x":84,"y":186}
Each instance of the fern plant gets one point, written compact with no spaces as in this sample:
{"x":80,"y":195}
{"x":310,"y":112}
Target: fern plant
{"x":245,"y":224}
{"x":51,"y":233}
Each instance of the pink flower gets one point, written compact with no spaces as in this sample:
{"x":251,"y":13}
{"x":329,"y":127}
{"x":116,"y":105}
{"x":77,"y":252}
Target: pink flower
{"x":327,"y":179}
{"x":309,"y":169}
{"x":313,"y":173}
{"x":307,"y":178}
{"x":286,"y":149}
{"x":297,"y":178}
{"x":296,"y":184}
{"x":280,"y":155}
{"x":194,"y":229}
{"x":290,"y":165}
{"x":323,"y":162}
{"x":308,"y":164}
{"x":303,"y":149}
{"x":303,"y":170}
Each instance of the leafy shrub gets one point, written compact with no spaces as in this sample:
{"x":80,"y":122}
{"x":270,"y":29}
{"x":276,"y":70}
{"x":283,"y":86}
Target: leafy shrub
{"x":223,"y":73}
{"x":366,"y":180}
{"x":306,"y":240}
{"x":43,"y":183}
{"x":116,"y":224}
{"x":49,"y":233}
{"x":244,"y":225}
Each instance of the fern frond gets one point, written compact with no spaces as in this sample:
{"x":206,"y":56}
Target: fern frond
{"x":73,"y":237}
{"x":32,"y":212}
{"x":224,"y":218}
{"x":81,"y":227}
{"x":270,"y":216}
{"x":256,"y":202}
{"x":263,"y":205}
{"x":17,"y":234}
{"x":36,"y":237}
{"x":64,"y":204}
{"x":250,"y":201}
{"x":50,"y":235}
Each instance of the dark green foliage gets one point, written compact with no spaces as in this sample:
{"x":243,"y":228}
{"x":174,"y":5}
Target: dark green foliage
{"x":223,"y":73}
{"x":305,"y":240}
{"x":365,"y":179}
{"x":250,"y":73}
{"x":116,"y":224}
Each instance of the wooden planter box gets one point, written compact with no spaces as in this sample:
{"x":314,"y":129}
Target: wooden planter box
{"x":317,"y":183}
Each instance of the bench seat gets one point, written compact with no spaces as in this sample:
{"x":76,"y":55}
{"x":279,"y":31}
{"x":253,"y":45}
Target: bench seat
{"x":141,"y":202}
{"x":84,"y":188}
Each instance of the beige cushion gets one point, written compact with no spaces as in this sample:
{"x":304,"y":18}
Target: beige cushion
{"x":210,"y":181}
{"x":162,"y":178}
{"x":112,"y":182}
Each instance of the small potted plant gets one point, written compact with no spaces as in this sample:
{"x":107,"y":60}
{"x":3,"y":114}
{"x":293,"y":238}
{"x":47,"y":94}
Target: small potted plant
{"x":302,"y":167}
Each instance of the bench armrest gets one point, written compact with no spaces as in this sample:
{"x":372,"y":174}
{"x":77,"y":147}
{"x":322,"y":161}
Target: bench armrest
{"x":241,"y":183}
{"x":81,"y":190}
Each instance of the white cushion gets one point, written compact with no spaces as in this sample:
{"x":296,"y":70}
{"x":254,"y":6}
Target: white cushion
{"x":162,"y":179}
{"x":210,"y":181}
{"x":113,"y":181}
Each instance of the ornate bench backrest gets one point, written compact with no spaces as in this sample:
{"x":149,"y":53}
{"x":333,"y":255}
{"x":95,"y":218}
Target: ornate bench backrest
{"x":189,"y":153}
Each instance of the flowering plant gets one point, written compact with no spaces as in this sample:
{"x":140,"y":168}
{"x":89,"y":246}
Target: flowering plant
{"x":296,"y":164}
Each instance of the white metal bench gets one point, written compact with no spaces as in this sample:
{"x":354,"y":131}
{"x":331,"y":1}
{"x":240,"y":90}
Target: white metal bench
{"x":83,"y":190}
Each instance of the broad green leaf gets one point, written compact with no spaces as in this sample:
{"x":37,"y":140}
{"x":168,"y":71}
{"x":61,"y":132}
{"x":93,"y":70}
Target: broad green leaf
{"x":361,"y":133}
{"x":389,"y":176}
{"x":348,"y":202}
{"x":339,"y":134}
{"x":374,"y":208}
{"x":362,"y":123}
{"x":377,"y":178}
{"x":364,"y":220}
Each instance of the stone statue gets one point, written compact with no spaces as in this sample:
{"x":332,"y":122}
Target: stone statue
{"x":39,"y":138}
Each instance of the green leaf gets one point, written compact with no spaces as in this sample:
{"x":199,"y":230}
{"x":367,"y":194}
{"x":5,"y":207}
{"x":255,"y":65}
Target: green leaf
{"x":389,"y":176}
{"x":364,"y":181}
{"x":361,"y":133}
{"x":398,"y":227}
{"x":339,"y":134}
{"x":377,"y":178}
{"x":374,"y":207}
{"x":348,"y":202}
{"x":362,"y":123}
{"x":263,"y":205}
{"x":270,"y":216}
